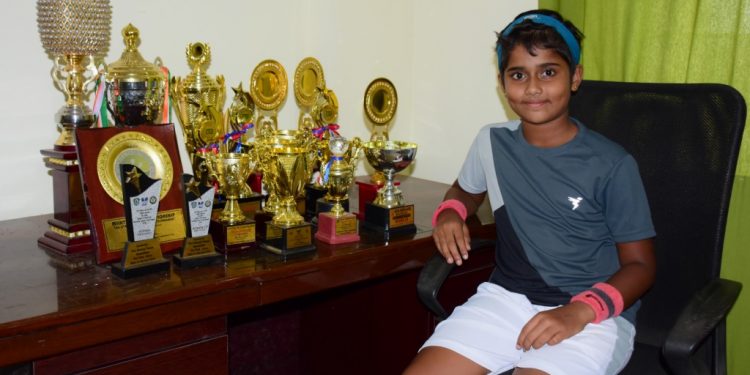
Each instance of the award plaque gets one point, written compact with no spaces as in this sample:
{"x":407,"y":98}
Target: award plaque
{"x":198,"y":247}
{"x":142,"y":254}
{"x":152,"y":148}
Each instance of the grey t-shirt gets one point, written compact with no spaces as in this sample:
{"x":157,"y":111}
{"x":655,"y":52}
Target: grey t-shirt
{"x":559,"y":211}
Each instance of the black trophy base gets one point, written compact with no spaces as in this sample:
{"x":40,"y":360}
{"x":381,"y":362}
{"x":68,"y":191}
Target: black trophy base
{"x":390,"y":221}
{"x":140,"y":258}
{"x":261,"y":219}
{"x":197,"y":252}
{"x":288,"y":240}
{"x":233,"y":237}
{"x":312,"y":194}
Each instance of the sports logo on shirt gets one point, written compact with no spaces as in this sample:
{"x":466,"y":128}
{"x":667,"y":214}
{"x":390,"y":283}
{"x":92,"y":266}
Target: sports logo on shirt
{"x":575,"y":201}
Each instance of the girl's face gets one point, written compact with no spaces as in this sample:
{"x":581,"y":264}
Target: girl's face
{"x":538,"y":87}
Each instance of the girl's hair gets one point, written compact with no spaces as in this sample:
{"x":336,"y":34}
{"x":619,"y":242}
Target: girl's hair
{"x":544,"y":29}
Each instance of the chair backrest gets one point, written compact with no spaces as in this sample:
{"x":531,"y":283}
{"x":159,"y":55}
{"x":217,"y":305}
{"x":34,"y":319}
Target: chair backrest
{"x":686,"y":140}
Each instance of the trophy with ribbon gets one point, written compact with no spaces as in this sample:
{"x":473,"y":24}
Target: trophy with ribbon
{"x":337,"y":225}
{"x":74,"y":33}
{"x":142,"y":253}
{"x":324,"y":113}
{"x":136,"y":89}
{"x":285,"y":157}
{"x":232,"y":230}
{"x":198,"y":247}
{"x":388,"y":213}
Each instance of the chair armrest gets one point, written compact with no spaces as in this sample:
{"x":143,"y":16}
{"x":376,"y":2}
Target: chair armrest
{"x":434,"y":274}
{"x":703,"y":313}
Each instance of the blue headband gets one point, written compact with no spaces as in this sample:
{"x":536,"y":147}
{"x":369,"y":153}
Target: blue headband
{"x":568,"y":37}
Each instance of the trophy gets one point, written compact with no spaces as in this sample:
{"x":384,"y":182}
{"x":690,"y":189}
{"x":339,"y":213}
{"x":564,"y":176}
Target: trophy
{"x":338,"y":226}
{"x":324,"y":113}
{"x":73,"y":33}
{"x":380,"y":106}
{"x":199,"y":100}
{"x":136,"y":89}
{"x":232,"y":230}
{"x":308,"y":79}
{"x":286,"y":158}
{"x":142,"y":253}
{"x":388,"y":213}
{"x":198,"y":247}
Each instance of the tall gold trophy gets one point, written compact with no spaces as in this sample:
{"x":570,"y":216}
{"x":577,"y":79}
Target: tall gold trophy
{"x":136,"y":87}
{"x":387,"y":213}
{"x":338,"y":226}
{"x":73,"y":33}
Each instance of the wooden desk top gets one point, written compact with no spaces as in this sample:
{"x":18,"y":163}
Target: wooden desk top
{"x":45,"y":310}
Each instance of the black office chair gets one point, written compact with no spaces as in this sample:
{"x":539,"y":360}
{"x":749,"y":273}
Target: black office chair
{"x":686,"y":139}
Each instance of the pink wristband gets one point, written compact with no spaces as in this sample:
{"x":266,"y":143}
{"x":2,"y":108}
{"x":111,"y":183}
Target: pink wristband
{"x":604,"y":299}
{"x":614,"y":295}
{"x":590,"y":298}
{"x":453,"y":204}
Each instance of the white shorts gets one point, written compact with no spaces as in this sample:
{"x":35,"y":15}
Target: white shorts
{"x":486,"y":327}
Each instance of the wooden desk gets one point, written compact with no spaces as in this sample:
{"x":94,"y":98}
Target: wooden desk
{"x":338,"y":308}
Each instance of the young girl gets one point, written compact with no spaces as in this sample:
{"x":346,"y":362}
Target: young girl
{"x":574,"y":233}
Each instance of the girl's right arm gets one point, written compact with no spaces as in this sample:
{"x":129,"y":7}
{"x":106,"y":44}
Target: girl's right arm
{"x":451,"y":234}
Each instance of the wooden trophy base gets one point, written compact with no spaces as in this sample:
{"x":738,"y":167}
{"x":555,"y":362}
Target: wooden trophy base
{"x":233,"y":237}
{"x":140,"y":258}
{"x":390,"y":221}
{"x":197,"y":252}
{"x":337,"y":230}
{"x":66,"y":239}
{"x":261,"y":219}
{"x":288,"y":240}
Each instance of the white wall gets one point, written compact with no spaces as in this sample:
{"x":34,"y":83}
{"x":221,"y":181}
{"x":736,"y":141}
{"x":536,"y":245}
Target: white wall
{"x":438,"y":53}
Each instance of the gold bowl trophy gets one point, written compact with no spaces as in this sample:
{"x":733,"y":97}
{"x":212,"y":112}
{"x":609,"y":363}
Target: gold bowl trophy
{"x":338,"y":226}
{"x":380,"y":104}
{"x":233,"y":230}
{"x":388,"y":212}
{"x":199,"y":100}
{"x":135,"y":87}
{"x":73,"y":34}
{"x":286,"y":158}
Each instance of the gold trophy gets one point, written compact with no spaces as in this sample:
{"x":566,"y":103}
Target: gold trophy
{"x":338,"y":226}
{"x":308,"y":79}
{"x":199,"y":100}
{"x":73,"y":33}
{"x":388,"y":213}
{"x":324,"y":113}
{"x":135,"y":87}
{"x":232,"y":230}
{"x":285,"y":158}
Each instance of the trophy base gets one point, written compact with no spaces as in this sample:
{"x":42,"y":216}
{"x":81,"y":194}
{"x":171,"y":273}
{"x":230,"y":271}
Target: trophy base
{"x":288,"y":240}
{"x":337,"y":230}
{"x":261,"y":219}
{"x":322,"y":205}
{"x":197,"y":252}
{"x":233,"y":237}
{"x":392,"y":221}
{"x":368,"y":191}
{"x":313,"y":193}
{"x":140,"y":258}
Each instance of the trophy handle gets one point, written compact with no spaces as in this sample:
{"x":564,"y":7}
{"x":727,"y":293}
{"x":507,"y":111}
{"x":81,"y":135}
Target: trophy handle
{"x":91,"y":67}
{"x":59,"y":74}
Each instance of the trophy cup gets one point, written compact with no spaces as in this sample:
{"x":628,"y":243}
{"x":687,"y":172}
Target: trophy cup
{"x":135,"y":87}
{"x":142,"y":253}
{"x":232,"y":230}
{"x":286,"y":158}
{"x":324,"y":113}
{"x":199,"y":100}
{"x":198,"y":247}
{"x":380,"y":106}
{"x":338,"y":226}
{"x":388,"y":213}
{"x":73,"y":33}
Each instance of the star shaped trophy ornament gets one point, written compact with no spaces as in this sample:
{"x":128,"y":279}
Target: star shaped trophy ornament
{"x":142,"y":253}
{"x":198,"y":248}
{"x":75,"y":34}
{"x":387,"y":213}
